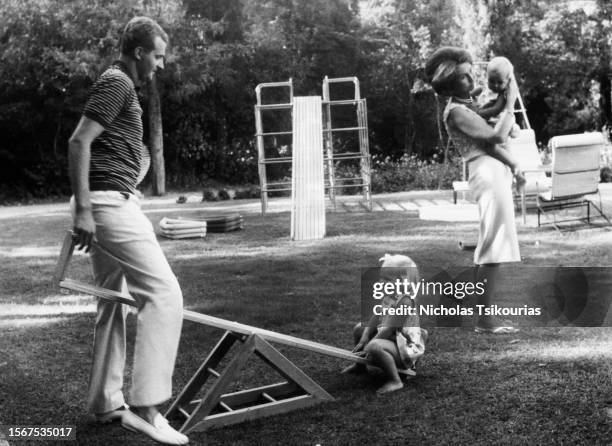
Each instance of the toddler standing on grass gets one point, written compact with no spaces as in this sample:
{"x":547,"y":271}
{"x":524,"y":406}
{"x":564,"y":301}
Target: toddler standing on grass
{"x":392,"y":342}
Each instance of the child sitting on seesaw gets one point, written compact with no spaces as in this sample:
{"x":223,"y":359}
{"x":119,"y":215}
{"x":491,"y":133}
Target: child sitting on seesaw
{"x":392,"y":342}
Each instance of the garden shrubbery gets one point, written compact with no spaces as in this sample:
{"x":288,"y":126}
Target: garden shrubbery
{"x":410,"y":172}
{"x":406,"y":173}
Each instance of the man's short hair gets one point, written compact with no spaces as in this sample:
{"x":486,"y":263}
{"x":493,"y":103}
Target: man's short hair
{"x":441,"y":68}
{"x":141,"y":32}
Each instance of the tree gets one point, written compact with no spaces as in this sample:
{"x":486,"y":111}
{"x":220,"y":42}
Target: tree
{"x":562,"y":58}
{"x":51,"y":51}
{"x":400,"y":36}
{"x":311,"y":39}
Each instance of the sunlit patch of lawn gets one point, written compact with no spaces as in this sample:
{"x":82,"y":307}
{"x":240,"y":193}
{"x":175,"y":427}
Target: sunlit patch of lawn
{"x":541,"y":386}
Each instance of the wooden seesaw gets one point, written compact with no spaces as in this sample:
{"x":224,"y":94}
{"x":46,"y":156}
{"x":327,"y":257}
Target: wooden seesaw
{"x":218,"y":408}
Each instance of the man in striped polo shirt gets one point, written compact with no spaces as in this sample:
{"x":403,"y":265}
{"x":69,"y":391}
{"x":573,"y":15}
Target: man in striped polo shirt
{"x":107,"y":159}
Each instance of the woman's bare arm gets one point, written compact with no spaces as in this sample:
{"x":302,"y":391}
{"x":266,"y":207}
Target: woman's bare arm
{"x":474,"y":126}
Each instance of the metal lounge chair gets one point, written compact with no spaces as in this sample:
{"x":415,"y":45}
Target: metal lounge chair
{"x":525,"y":150}
{"x":574,"y":176}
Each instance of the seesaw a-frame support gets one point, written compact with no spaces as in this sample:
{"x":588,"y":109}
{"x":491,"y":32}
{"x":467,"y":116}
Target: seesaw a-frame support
{"x":218,"y":408}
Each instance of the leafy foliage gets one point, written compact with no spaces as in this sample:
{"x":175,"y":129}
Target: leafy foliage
{"x":51,"y":51}
{"x":563,"y":60}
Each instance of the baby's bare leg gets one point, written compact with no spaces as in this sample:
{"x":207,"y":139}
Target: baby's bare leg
{"x":384,"y":353}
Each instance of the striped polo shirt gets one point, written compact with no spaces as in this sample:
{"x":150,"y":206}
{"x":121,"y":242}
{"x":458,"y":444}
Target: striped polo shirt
{"x":117,"y":154}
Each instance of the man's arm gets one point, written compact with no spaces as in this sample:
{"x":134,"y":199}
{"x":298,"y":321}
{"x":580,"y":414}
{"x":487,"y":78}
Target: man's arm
{"x":79,"y":151}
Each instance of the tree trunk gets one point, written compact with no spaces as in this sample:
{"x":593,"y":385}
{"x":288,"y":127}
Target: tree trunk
{"x":156,"y":140}
{"x":409,"y":126}
{"x":605,"y":85}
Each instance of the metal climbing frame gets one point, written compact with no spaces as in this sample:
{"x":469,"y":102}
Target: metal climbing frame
{"x":261,"y":136}
{"x":363,"y":178}
{"x":332,"y":182}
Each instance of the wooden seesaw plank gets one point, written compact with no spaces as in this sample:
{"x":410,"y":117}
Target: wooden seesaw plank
{"x":102,"y":293}
{"x":64,"y":257}
{"x":224,"y":324}
{"x":272,"y":336}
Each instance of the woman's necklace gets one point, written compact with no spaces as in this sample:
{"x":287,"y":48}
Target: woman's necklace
{"x":467,"y":101}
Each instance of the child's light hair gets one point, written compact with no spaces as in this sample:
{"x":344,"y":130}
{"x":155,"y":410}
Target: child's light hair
{"x":501,"y":65}
{"x":396,"y":261}
{"x":403,"y":264}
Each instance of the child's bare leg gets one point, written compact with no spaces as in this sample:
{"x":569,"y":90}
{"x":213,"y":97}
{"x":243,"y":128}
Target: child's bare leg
{"x":384,"y":354}
{"x":356,"y":367}
{"x":357,"y":332}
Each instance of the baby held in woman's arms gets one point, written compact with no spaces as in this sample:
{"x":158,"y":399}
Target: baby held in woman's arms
{"x":500,"y":73}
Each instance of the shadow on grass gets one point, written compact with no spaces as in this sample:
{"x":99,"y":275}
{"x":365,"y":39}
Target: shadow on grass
{"x":543,"y":386}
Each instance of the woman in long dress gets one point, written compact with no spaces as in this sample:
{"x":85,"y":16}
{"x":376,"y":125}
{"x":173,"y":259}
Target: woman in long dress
{"x":490,"y":170}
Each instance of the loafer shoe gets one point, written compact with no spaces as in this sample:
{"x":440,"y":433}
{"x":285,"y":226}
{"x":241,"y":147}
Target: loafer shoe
{"x":159,"y":430}
{"x":113,"y":415}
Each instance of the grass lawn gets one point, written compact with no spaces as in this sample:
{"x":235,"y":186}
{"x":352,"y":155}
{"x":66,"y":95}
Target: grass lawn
{"x":541,"y":386}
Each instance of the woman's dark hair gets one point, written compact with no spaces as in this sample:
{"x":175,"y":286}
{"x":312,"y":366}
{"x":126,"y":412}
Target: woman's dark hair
{"x":441,"y":68}
{"x":141,"y":32}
